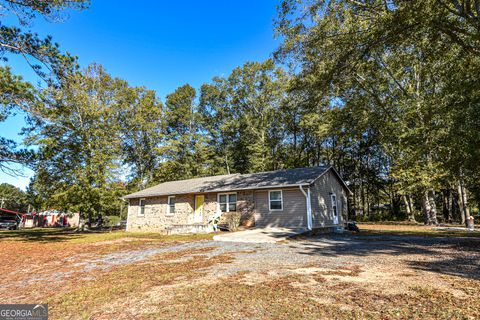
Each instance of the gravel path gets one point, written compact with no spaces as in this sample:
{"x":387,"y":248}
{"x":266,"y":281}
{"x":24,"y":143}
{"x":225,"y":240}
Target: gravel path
{"x":452,"y":256}
{"x":456,"y":256}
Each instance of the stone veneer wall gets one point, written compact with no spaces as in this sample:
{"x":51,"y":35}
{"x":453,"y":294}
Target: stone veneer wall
{"x":156,"y":218}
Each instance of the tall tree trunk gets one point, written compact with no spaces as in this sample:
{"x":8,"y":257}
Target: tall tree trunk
{"x":412,"y":208}
{"x":461,"y":205}
{"x":408,"y":208}
{"x":354,"y":201}
{"x":464,"y":201}
{"x":433,"y":207}
{"x":429,"y":207}
{"x":452,"y":205}
{"x":425,"y":206}
{"x":447,"y":200}
{"x":90,"y":219}
{"x":362,"y":194}
{"x":226,"y":163}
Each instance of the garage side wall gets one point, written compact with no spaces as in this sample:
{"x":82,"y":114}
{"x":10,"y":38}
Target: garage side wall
{"x":321,"y":201}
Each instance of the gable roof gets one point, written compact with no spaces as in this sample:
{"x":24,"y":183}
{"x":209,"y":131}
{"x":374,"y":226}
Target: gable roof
{"x":235,"y":182}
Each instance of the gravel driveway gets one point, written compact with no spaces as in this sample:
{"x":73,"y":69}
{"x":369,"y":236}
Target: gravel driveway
{"x":453,"y":256}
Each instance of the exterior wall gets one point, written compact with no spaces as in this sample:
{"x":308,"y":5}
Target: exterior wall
{"x":293,"y":215}
{"x":321,"y":200}
{"x":157,"y":219}
{"x":253,"y":205}
{"x":246,"y":207}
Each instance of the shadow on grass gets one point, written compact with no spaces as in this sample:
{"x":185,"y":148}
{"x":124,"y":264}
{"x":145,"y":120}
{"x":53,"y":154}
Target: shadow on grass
{"x":43,"y":235}
{"x":59,"y":235}
{"x":449,"y":255}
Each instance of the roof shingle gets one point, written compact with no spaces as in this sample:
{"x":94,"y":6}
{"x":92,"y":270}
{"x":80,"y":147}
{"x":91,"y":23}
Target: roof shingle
{"x":234,"y":182}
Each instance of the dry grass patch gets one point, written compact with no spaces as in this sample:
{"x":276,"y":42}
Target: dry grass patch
{"x":413,"y":230}
{"x":283,"y":298}
{"x":46,"y":260}
{"x":125,"y":285}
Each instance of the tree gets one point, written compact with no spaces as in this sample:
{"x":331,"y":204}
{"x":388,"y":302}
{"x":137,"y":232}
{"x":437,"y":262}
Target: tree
{"x":142,"y":133}
{"x":13,"y":198}
{"x":181,"y":136}
{"x":14,"y":92}
{"x":240,"y":116}
{"x":41,"y":54}
{"x":397,"y":64}
{"x":77,"y":130}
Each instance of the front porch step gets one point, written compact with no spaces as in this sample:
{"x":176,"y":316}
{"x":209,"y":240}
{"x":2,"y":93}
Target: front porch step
{"x":189,"y":228}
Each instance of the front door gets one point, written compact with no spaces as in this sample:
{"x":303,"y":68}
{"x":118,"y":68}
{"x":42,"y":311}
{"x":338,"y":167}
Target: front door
{"x":198,"y":214}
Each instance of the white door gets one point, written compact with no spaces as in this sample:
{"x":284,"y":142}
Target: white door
{"x":333,"y":199}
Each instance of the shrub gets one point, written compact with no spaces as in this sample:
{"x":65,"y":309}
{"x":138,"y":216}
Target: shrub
{"x":233,"y":220}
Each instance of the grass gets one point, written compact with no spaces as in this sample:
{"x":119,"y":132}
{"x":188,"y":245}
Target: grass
{"x":55,"y":235}
{"x":127,"y":283}
{"x":186,"y":283}
{"x":412,"y":230}
{"x":298,"y":297}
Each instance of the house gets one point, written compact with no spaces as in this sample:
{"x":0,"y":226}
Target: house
{"x":314,"y":197}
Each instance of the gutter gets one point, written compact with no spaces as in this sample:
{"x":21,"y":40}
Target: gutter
{"x":309,"y":206}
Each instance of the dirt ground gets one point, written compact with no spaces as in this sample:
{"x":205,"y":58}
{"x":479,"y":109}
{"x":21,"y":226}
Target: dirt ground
{"x":383,"y":272}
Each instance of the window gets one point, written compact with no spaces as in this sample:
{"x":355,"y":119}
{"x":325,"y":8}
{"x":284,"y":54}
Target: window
{"x":227,"y":202}
{"x":333,"y":197}
{"x":141,"y":204}
{"x":275,"y":199}
{"x":171,"y":205}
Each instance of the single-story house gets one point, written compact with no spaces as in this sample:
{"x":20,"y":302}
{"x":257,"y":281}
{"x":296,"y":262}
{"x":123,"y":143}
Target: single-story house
{"x":314,"y":197}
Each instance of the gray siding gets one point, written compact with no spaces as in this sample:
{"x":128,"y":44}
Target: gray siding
{"x":293,"y":215}
{"x":321,"y":200}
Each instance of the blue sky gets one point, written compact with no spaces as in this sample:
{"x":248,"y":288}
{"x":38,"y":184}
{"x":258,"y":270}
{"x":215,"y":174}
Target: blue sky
{"x":157,"y":44}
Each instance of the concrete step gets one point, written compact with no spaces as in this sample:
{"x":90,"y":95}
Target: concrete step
{"x":189,"y":228}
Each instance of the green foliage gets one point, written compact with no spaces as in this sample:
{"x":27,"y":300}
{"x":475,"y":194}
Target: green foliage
{"x":41,"y":54}
{"x":181,"y":136}
{"x":240,"y":115}
{"x":79,"y":137}
{"x":142,"y":132}
{"x":385,"y":91}
{"x":13,"y":198}
{"x":14,"y":92}
{"x":393,"y":78}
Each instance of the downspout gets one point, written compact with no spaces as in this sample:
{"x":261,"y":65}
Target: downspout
{"x":309,"y":206}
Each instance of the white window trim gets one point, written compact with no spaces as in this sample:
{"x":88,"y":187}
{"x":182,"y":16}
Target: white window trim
{"x":168,"y":206}
{"x":269,"y":201}
{"x":332,"y":205}
{"x":225,"y":194}
{"x":140,"y":208}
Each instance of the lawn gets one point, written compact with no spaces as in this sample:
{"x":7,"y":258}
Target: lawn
{"x":384,"y":272}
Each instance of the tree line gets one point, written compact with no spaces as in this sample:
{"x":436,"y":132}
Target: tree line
{"x":384,"y":91}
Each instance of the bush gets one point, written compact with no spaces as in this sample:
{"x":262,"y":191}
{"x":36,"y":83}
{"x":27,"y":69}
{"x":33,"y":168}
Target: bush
{"x":112,"y":221}
{"x":233,"y":220}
